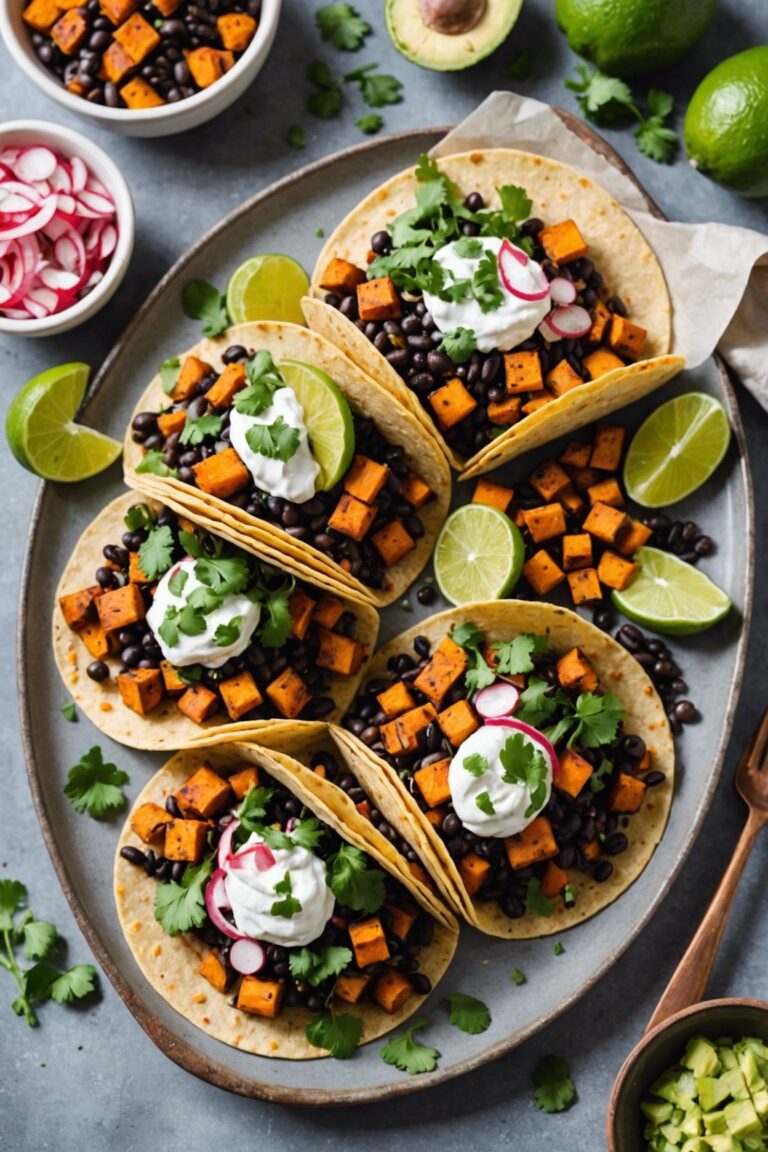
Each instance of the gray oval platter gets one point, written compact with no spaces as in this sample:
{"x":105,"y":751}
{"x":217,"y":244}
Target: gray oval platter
{"x":285,"y":218}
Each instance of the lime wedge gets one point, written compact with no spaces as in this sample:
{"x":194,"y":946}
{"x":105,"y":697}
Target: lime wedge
{"x":268,"y":287}
{"x":676,"y":449}
{"x":327,"y":417}
{"x":42,"y":434}
{"x":479,"y":555}
{"x":671,"y":596}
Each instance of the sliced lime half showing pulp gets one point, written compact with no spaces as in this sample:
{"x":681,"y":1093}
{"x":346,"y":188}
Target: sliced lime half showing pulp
{"x":479,"y":555}
{"x":267,"y":287}
{"x":327,"y":417}
{"x":670,"y":596}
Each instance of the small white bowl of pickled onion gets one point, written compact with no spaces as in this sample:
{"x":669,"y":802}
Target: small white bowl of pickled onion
{"x":66,"y":228}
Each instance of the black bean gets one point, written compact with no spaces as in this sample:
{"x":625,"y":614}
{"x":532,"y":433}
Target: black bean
{"x":178,"y":869}
{"x":423,"y":382}
{"x":491,"y":368}
{"x":133,"y":855}
{"x":422,"y":646}
{"x":603,"y":869}
{"x":703,"y":545}
{"x":474,"y":202}
{"x":422,"y":984}
{"x":131,"y":655}
{"x":615,"y":844}
{"x":468,"y":228}
{"x":426,"y":595}
{"x":439,"y":363}
{"x":617,"y":305}
{"x":348,"y":307}
{"x":566,"y":857}
{"x":144,"y":422}
{"x":172,"y":806}
{"x":685,"y":712}
{"x":106,"y":578}
{"x":601,"y":618}
{"x":97,"y":670}
{"x":451,"y":824}
{"x":654,"y":778}
{"x":634,"y":747}
{"x":381,"y":243}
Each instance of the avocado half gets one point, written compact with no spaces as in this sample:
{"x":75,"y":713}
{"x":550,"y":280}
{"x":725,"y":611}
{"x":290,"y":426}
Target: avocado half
{"x":445,"y":52}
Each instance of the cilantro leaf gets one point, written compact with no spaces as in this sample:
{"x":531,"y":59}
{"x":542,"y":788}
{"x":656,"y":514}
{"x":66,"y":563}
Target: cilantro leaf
{"x":152,"y":461}
{"x":407,"y":1054}
{"x":603,"y":99}
{"x":377,"y":88}
{"x":12,"y":895}
{"x":190,"y":622}
{"x":204,"y":600}
{"x":427,"y":168}
{"x":223,"y":573}
{"x":537,"y":903}
{"x":596,"y":780}
{"x":94,"y":786}
{"x":555,"y":1090}
{"x":288,"y":906}
{"x":475,"y":764}
{"x":201,"y":301}
{"x":369,"y":125}
{"x":514,"y":656}
{"x":479,"y":674}
{"x":254,"y":807}
{"x":277,"y":441}
{"x":296,"y":138}
{"x":69,"y":711}
{"x":354,"y":884}
{"x":536,"y":705}
{"x":74,"y":984}
{"x":169,"y":628}
{"x":263,"y":381}
{"x":177,"y":582}
{"x":327,"y":102}
{"x":195,"y":431}
{"x":227,"y":634}
{"x":191,"y":544}
{"x":37,"y":985}
{"x":156,"y":552}
{"x":277,"y":629}
{"x":485,"y":804}
{"x":39,"y":939}
{"x":558,"y":949}
{"x":339,"y":1035}
{"x":657,"y":140}
{"x":598,"y":719}
{"x":169,"y":373}
{"x":342,"y":25}
{"x":316,"y":967}
{"x":468,"y":1013}
{"x":525,"y":764}
{"x":469,"y":247}
{"x":518,"y":977}
{"x":179,"y":907}
{"x":486,"y":287}
{"x":138,"y":517}
{"x":307,"y":833}
{"x":458,"y":344}
{"x":516,"y":204}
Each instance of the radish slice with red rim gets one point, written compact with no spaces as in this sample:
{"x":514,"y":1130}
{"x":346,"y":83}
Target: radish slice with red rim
{"x":534,"y":736}
{"x":35,"y":163}
{"x":570,"y":322}
{"x":247,"y":956}
{"x":563,"y":291}
{"x":498,"y":699}
{"x":524,"y":280}
{"x":548,"y":333}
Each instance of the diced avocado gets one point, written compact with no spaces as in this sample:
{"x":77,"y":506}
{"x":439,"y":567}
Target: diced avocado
{"x":713,"y":1090}
{"x":748,"y":1064}
{"x":741,"y":1119}
{"x":760,"y":1101}
{"x":695,"y":1144}
{"x":714,"y":1122}
{"x":672,"y":1133}
{"x":701,"y":1057}
{"x":692,"y":1123}
{"x":724,"y":1143}
{"x":446,"y":44}
{"x":727,"y":1057}
{"x":666,"y":1086}
{"x":657,"y":1111}
{"x":734,"y":1080}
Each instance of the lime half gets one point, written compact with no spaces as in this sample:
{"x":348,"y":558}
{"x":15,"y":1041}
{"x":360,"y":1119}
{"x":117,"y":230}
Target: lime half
{"x":668,"y":595}
{"x":479,"y":555}
{"x":327,"y":417}
{"x":676,"y":449}
{"x":268,"y":287}
{"x":42,"y":434}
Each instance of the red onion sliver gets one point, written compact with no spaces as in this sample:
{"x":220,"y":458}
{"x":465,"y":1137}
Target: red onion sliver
{"x":533,"y":735}
{"x":526,"y":281}
{"x":215,"y":885}
{"x":225,"y":843}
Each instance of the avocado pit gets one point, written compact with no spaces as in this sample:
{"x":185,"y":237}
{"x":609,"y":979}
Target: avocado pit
{"x":452,"y":17}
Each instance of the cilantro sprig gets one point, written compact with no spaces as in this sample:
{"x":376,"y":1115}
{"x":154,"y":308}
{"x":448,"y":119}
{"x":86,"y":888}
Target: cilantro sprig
{"x":555,"y":1090}
{"x":277,"y":441}
{"x":288,"y":904}
{"x":317,"y":967}
{"x":202,"y":301}
{"x":339,"y":1035}
{"x":196,"y":430}
{"x":536,"y":902}
{"x":407,"y":1054}
{"x":525,"y":764}
{"x":592,"y":722}
{"x":515,"y":656}
{"x":342,"y":26}
{"x":354,"y":883}
{"x":458,"y":344}
{"x":608,"y":101}
{"x":479,"y":674}
{"x":152,"y":462}
{"x":264,"y":380}
{"x":180,"y":907}
{"x":468,"y":1013}
{"x":94,"y":786}
{"x":156,"y":552}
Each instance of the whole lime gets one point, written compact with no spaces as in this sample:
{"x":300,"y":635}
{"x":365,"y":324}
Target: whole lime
{"x":726,"y":125}
{"x":629,"y":37}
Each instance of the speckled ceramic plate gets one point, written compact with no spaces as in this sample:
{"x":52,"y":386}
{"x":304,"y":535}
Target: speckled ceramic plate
{"x":285,"y":218}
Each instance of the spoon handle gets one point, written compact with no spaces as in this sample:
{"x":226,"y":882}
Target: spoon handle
{"x":689,"y":981}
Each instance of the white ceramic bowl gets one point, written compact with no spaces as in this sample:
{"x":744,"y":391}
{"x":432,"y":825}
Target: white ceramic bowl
{"x":71,"y":143}
{"x":162,"y":121}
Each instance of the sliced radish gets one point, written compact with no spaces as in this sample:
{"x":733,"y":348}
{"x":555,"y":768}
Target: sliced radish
{"x":498,"y":699}
{"x":35,"y":163}
{"x":225,"y":843}
{"x":547,"y":332}
{"x":101,"y":205}
{"x":524,"y":280}
{"x":59,"y":279}
{"x":79,"y":174}
{"x":108,"y":241}
{"x":247,"y":956}
{"x":570,"y":322}
{"x":34,"y":223}
{"x":213,"y":890}
{"x":534,"y":736}
{"x":563,"y":291}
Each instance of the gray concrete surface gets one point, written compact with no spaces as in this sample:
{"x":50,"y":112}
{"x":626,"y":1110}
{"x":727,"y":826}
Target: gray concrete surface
{"x":90,"y":1079}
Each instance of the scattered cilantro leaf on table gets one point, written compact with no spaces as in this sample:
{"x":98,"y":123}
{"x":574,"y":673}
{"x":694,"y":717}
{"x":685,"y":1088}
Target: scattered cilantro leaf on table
{"x":654,"y":136}
{"x":518,"y":977}
{"x":179,"y":907}
{"x":327,"y":101}
{"x":376,"y":88}
{"x":370,"y":124}
{"x":69,"y":711}
{"x":555,"y":1090}
{"x":296,"y":138}
{"x":342,"y":26}
{"x":152,"y":461}
{"x":608,"y":101}
{"x":468,"y":1013}
{"x":202,"y":301}
{"x":339,"y":1035}
{"x":94,"y":786}
{"x":354,"y":884}
{"x":73,"y":984}
{"x":558,"y":949}
{"x":39,"y":938}
{"x":521,"y":66}
{"x":409,"y":1055}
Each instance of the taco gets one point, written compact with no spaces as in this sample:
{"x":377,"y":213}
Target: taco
{"x":532,"y":754}
{"x":274,"y":434}
{"x":163,"y":631}
{"x":263,"y":917}
{"x":506,"y":298}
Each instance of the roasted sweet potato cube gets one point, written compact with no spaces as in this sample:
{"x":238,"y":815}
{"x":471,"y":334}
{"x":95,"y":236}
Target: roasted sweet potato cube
{"x":149,"y":820}
{"x":393,"y":542}
{"x":540,"y":401}
{"x":260,"y":997}
{"x":138,"y":94}
{"x":396,"y":699}
{"x":392,"y":990}
{"x":141,"y":689}
{"x":432,"y":782}
{"x":584,"y":478}
{"x":571,"y":501}
{"x":222,"y":474}
{"x":402,"y":918}
{"x":452,"y":403}
{"x":301,"y":607}
{"x":289,"y":694}
{"x":243,"y":780}
{"x":365,"y":479}
{"x":601,"y":318}
{"x":577,"y":551}
{"x":351,"y":517}
{"x":401,"y":735}
{"x":378,"y":300}
{"x":542,"y":572}
{"x":545,"y":522}
{"x":198,"y":703}
{"x":632,"y":536}
{"x":328,"y":611}
{"x":534,"y":843}
{"x":138,"y":37}
{"x":339,"y":654}
{"x":522,"y":372}
{"x":208,"y":65}
{"x":69,"y":32}
{"x":167,"y":7}
{"x":369,"y":942}
{"x":171,"y":422}
{"x":79,"y":608}
{"x":614,"y":571}
{"x":435,"y":816}
{"x":505,"y":412}
{"x":553,"y":881}
{"x":214,"y":971}
{"x":185,"y":840}
{"x":574,"y":772}
{"x":497,"y":495}
{"x":606,"y":492}
{"x":562,"y":378}
{"x":605,"y":523}
{"x":419,"y":873}
{"x":458,"y":721}
{"x":600,"y":362}
{"x":584,"y":585}
{"x":364,"y":808}
{"x":204,"y":794}
{"x":563,"y":242}
{"x":342,"y":277}
{"x":549,"y":480}
{"x":350,"y":987}
{"x":607,"y":447}
{"x":41,"y":14}
{"x":173,"y":683}
{"x":136,"y":574}
{"x":474,"y":872}
{"x":575,"y":673}
{"x":236,"y":30}
{"x":625,"y":337}
{"x":645,"y":762}
{"x":240,"y":694}
{"x":627,"y":793}
{"x":415,"y":491}
{"x":118,"y":11}
{"x":447,"y":663}
{"x":96,"y":641}
{"x":191,"y":373}
{"x":120,"y":607}
{"x":591,"y":851}
{"x":231,"y":381}
{"x":576,"y":455}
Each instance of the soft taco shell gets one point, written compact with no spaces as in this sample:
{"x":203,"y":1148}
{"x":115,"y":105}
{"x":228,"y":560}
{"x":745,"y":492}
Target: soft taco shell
{"x":170,"y":963}
{"x":292,"y":342}
{"x":166,"y":728}
{"x":644,"y":715}
{"x":616,"y":244}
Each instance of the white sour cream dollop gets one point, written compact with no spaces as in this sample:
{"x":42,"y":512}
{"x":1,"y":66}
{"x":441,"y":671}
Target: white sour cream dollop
{"x":201,"y":649}
{"x":510,"y":801}
{"x":252,"y":894}
{"x":293,"y":479}
{"x":514,"y":321}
